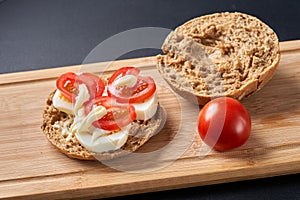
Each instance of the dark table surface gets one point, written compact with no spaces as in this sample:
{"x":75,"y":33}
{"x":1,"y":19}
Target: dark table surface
{"x":46,"y":34}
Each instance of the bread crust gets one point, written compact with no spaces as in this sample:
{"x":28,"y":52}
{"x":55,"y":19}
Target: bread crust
{"x":139,"y":134}
{"x":211,"y":35}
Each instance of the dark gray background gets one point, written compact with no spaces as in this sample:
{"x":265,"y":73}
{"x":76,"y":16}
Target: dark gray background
{"x":44,"y":34}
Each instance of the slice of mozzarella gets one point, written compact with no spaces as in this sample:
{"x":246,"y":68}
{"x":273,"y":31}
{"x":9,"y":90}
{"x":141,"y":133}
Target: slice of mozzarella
{"x":146,"y":110}
{"x":99,"y":141}
{"x":60,"y":102}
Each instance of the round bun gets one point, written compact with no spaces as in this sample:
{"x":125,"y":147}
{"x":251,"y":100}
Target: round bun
{"x":139,"y":134}
{"x":222,"y":54}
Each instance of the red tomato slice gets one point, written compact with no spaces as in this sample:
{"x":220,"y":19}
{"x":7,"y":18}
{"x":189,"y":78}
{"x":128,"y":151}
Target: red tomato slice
{"x":224,"y":123}
{"x":68,"y":84}
{"x":93,"y":82}
{"x":65,"y":83}
{"x":139,"y":93}
{"x":117,"y":117}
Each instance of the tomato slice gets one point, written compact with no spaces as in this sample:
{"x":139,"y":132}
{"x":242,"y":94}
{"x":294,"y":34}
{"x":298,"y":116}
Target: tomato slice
{"x":65,"y":83}
{"x":139,"y":93}
{"x":93,"y":82}
{"x":117,"y":117}
{"x":68,"y":84}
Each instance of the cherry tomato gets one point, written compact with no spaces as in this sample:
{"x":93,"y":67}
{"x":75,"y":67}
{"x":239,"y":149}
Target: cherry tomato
{"x":224,"y":123}
{"x":68,"y":84}
{"x":139,"y":93}
{"x":117,"y":117}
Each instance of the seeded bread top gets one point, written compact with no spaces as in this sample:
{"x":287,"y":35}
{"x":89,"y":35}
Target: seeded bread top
{"x":223,"y":54}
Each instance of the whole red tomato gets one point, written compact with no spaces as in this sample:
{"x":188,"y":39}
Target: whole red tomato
{"x":224,"y":123}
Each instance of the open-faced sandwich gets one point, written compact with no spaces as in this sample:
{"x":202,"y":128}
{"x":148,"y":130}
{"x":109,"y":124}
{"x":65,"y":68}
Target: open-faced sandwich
{"x":88,"y":119}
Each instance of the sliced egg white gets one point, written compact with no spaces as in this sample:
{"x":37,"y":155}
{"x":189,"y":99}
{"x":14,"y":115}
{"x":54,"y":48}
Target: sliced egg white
{"x":60,"y":102}
{"x":146,"y":110}
{"x":99,"y":141}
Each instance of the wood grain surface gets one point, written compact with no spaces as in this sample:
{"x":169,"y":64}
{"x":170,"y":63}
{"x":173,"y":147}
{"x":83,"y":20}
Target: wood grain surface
{"x":31,"y":168}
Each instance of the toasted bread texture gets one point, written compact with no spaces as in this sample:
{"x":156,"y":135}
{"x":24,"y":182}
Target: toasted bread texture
{"x":222,"y":54}
{"x":139,"y":134}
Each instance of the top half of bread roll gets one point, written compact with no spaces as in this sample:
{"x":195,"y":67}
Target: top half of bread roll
{"x":222,"y":54}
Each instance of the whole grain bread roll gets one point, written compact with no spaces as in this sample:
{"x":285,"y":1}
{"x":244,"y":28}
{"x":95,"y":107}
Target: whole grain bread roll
{"x":222,"y":54}
{"x":139,"y":133}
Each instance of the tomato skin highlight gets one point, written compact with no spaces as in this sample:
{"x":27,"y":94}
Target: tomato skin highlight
{"x":224,"y":123}
{"x":117,"y":117}
{"x":139,"y":93}
{"x":68,"y":84}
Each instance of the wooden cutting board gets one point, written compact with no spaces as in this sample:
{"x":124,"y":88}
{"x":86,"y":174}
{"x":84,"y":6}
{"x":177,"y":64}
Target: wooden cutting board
{"x":31,"y":168}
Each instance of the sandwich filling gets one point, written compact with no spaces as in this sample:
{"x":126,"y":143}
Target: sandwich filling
{"x":101,"y":123}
